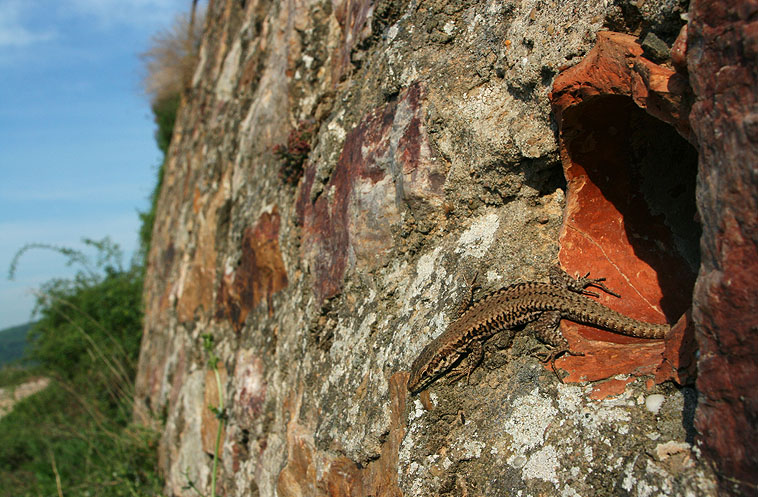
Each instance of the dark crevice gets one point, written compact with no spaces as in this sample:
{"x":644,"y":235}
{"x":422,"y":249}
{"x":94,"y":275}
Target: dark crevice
{"x":647,"y":171}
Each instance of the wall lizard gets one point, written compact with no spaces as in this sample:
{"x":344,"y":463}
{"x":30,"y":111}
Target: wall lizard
{"x":515,"y":305}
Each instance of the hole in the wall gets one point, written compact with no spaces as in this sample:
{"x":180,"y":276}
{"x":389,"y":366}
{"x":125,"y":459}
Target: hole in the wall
{"x":630,"y":208}
{"x":636,"y":176}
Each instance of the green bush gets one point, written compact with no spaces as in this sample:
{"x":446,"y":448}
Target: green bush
{"x":76,"y":436}
{"x":88,"y":325}
{"x":59,"y":437}
{"x":164,"y":111}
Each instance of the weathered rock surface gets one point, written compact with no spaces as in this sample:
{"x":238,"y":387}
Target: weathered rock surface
{"x":722,"y":50}
{"x":437,"y":155}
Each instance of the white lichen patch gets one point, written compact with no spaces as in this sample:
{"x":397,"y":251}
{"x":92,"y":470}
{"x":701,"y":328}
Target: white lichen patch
{"x":654,"y":402}
{"x":543,"y":464}
{"x":416,"y":413}
{"x":588,"y":453}
{"x":471,"y":449}
{"x":427,"y":270}
{"x":421,"y":477}
{"x":593,"y":416}
{"x":392,"y":33}
{"x":409,"y":75}
{"x":475,"y":241}
{"x":420,"y":323}
{"x":338,"y":132}
{"x":569,"y":397}
{"x":493,"y":277}
{"x":529,"y":421}
{"x":347,"y":336}
{"x":568,"y":491}
{"x":629,"y":480}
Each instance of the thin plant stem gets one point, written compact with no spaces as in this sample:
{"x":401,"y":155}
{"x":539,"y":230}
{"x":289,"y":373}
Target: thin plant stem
{"x":58,"y":484}
{"x":219,"y":430}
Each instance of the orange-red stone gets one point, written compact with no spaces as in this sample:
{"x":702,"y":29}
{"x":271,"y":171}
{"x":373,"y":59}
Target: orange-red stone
{"x":261,"y":272}
{"x":610,"y":225}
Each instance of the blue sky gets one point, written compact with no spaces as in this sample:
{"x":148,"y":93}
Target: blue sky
{"x":77,"y":153}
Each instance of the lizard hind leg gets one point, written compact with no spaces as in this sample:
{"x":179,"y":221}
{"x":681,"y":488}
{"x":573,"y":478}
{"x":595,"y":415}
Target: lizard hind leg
{"x":547,"y":329}
{"x":559,"y":277}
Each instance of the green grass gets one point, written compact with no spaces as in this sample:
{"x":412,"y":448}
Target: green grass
{"x":76,"y":436}
{"x":59,"y":438}
{"x":72,"y":443}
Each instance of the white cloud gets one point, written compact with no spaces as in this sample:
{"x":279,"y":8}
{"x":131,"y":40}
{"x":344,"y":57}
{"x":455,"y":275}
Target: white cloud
{"x":18,"y":16}
{"x":13,"y":32}
{"x":142,"y":13}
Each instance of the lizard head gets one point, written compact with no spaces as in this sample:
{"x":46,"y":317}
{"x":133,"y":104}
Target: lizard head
{"x":432,"y":363}
{"x":417,"y":381}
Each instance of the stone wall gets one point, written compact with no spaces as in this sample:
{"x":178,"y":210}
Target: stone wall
{"x":722,"y":55}
{"x":435,"y":147}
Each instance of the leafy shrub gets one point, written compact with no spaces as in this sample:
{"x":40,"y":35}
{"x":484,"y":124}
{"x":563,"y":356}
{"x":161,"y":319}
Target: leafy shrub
{"x":58,"y":437}
{"x":165,"y":111}
{"x":76,"y":436}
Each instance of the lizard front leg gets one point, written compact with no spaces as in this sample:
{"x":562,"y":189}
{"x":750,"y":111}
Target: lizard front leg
{"x":466,"y":367}
{"x":472,"y":286}
{"x":559,"y":277}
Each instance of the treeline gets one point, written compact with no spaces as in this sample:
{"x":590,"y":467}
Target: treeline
{"x":13,"y":343}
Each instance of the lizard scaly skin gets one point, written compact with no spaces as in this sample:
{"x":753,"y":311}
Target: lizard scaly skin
{"x":507,"y":308}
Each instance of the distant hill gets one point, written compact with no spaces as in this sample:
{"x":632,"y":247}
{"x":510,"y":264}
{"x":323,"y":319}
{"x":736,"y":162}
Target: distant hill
{"x":13,"y":343}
